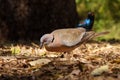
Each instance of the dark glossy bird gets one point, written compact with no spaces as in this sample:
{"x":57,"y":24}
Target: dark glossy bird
{"x":88,"y":22}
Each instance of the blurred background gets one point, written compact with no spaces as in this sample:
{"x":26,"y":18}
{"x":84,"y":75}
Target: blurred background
{"x":30,"y":19}
{"x":107,"y":15}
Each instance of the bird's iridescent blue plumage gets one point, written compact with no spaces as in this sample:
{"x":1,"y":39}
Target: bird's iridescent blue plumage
{"x":88,"y":22}
{"x":85,"y":23}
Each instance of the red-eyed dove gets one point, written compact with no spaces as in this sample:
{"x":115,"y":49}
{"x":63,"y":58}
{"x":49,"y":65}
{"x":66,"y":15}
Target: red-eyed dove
{"x":65,"y":40}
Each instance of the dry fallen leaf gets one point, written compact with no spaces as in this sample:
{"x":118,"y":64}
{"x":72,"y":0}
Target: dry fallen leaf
{"x":100,"y":70}
{"x":15,"y":50}
{"x":39,"y":62}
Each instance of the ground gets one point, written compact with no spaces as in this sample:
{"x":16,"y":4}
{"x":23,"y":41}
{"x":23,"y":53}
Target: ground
{"x":92,"y":61}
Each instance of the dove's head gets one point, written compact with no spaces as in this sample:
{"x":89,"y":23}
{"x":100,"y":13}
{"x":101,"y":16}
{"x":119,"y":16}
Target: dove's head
{"x":46,"y":39}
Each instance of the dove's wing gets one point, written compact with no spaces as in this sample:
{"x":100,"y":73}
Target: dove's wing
{"x":70,"y":37}
{"x":88,"y":35}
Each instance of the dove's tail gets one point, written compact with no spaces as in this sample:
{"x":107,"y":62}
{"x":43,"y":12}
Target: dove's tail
{"x":91,"y":34}
{"x":100,"y":34}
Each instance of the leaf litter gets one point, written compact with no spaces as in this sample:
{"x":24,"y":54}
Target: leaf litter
{"x":92,"y":61}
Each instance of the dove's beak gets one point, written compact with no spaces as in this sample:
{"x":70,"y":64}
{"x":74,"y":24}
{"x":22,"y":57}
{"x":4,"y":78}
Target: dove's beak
{"x":41,"y":45}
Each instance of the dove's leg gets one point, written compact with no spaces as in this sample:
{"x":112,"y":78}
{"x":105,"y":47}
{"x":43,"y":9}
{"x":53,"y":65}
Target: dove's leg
{"x":66,"y":55}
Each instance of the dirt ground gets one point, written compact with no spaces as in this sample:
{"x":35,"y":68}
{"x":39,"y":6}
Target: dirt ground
{"x":92,"y":61}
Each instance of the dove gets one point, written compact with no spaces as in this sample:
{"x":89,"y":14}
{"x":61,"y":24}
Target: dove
{"x":65,"y":40}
